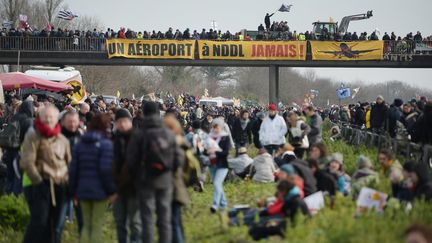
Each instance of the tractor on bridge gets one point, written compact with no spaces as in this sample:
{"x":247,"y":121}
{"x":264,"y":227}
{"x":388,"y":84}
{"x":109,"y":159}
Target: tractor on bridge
{"x":331,"y":28}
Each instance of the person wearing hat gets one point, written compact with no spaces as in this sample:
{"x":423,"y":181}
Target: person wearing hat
{"x":364,"y":176}
{"x":154,"y":146}
{"x":335,"y":167}
{"x":272,"y":131}
{"x":379,"y":115}
{"x":125,"y":208}
{"x":287,"y":172}
{"x":241,"y":163}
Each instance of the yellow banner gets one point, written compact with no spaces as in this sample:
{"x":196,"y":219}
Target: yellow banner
{"x":347,"y":51}
{"x":155,"y":49}
{"x":252,"y":50}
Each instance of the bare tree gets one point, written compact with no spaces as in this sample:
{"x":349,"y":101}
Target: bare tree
{"x":51,"y":7}
{"x":214,"y":76}
{"x":10,"y":9}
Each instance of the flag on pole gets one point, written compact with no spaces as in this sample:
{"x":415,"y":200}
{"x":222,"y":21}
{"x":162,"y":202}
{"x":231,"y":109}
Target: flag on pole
{"x":66,"y":15}
{"x":118,"y":94}
{"x":285,"y":8}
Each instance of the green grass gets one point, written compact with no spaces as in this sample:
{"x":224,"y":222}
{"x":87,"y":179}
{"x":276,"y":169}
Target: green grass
{"x":337,"y":225}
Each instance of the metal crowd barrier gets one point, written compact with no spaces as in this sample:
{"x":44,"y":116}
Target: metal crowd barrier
{"x":402,"y":147}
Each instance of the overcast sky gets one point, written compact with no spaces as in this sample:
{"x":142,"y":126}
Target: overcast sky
{"x":399,"y":16}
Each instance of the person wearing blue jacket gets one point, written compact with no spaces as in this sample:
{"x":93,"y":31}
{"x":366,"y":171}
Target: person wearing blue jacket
{"x":90,"y":176}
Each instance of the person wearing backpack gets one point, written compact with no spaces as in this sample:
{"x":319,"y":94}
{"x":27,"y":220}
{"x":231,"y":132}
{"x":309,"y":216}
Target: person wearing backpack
{"x":11,"y":139}
{"x":90,"y":177}
{"x":153,"y":157}
{"x":125,"y":208}
{"x":44,"y":159}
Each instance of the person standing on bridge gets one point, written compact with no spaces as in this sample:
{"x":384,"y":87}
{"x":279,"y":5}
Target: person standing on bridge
{"x":272,"y":131}
{"x":267,"y":20}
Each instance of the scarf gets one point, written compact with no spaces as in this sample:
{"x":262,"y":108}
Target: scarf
{"x":46,"y":131}
{"x":244,"y":123}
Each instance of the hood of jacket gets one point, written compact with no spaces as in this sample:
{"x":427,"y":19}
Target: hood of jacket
{"x":27,"y":109}
{"x":92,"y":136}
{"x":152,"y":121}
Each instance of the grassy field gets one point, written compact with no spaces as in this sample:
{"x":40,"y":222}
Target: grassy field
{"x":330,"y":225}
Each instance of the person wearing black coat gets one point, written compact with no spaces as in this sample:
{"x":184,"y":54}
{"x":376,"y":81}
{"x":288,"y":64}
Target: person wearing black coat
{"x":379,"y":115}
{"x":418,"y":175}
{"x":422,"y":130}
{"x":256,"y":126}
{"x":242,"y":131}
{"x":267,"y":20}
{"x":360,"y":116}
{"x":326,"y":182}
{"x":394,"y":115}
{"x":125,"y":208}
{"x":303,"y":170}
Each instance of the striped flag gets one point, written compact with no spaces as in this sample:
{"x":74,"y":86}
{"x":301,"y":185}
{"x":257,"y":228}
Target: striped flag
{"x":285,"y":7}
{"x":66,"y":15}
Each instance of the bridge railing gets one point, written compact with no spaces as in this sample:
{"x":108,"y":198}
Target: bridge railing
{"x":84,"y":44}
{"x":53,"y":44}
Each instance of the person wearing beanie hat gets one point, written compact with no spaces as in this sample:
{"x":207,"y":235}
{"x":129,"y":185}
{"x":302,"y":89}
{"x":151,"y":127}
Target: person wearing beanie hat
{"x":122,"y":113}
{"x":379,"y":115}
{"x":335,"y":167}
{"x":125,"y":208}
{"x":288,"y":173}
{"x":364,"y":176}
{"x":272,"y":131}
{"x":150,"y":108}
{"x":155,"y":146}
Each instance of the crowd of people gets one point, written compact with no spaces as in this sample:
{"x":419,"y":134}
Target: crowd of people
{"x":411,"y":120}
{"x":142,"y":156}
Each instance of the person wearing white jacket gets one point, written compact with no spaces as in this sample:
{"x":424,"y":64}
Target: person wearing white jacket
{"x":272,"y":131}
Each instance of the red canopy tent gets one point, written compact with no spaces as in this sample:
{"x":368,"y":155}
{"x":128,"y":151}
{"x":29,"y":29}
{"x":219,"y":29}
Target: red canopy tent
{"x":19,"y":80}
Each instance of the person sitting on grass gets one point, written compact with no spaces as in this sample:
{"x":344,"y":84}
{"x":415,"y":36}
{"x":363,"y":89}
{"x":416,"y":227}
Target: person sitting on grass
{"x":241,"y":163}
{"x":420,"y":184}
{"x":263,"y":168}
{"x":292,"y":205}
{"x":335,"y":167}
{"x":326,"y":182}
{"x":285,"y":155}
{"x":288,"y":173}
{"x":318,"y":152}
{"x":364,"y":176}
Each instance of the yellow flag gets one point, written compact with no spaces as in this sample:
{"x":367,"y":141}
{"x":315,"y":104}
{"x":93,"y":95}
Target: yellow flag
{"x":118,"y":94}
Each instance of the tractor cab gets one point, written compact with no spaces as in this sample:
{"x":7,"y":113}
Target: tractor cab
{"x":320,"y":28}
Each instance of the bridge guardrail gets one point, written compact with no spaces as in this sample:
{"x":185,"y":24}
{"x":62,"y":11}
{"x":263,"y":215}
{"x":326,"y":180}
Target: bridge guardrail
{"x":84,"y":44}
{"x":402,"y":147}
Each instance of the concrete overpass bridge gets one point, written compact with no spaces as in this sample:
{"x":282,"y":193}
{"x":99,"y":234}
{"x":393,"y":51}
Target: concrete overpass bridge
{"x":63,"y":51}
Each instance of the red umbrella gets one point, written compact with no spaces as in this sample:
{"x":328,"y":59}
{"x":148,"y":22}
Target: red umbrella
{"x":19,"y":80}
